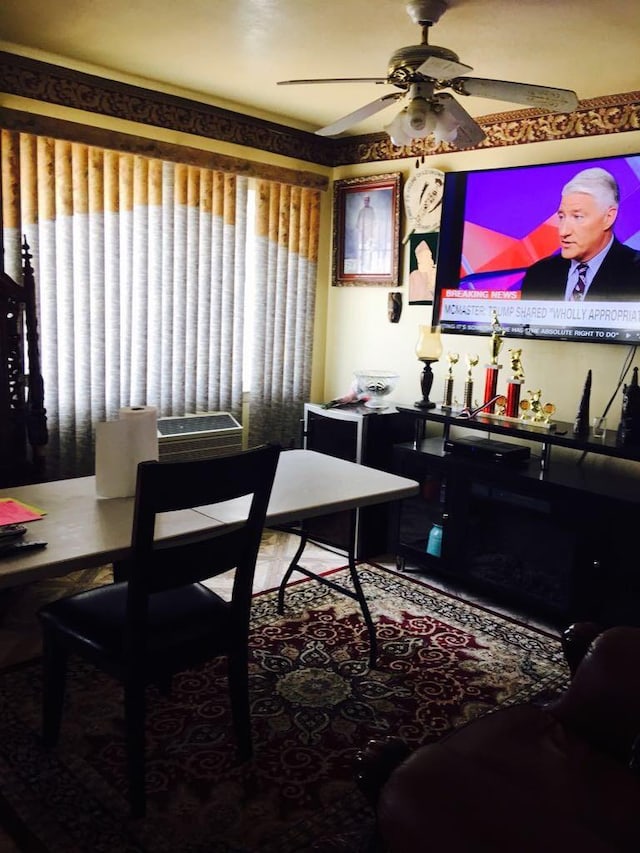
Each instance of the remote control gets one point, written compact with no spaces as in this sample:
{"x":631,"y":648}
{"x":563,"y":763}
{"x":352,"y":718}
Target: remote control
{"x":20,"y":546}
{"x":11,"y":531}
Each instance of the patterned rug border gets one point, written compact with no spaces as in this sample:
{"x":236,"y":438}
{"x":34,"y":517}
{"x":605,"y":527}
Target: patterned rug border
{"x":432,"y":596}
{"x":486,"y":608}
{"x":553,"y":634}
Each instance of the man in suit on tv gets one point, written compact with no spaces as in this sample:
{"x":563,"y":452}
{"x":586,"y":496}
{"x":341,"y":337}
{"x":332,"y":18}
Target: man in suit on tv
{"x":593,"y":264}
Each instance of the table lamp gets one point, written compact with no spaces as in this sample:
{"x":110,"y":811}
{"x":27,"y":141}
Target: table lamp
{"x":428,"y":350}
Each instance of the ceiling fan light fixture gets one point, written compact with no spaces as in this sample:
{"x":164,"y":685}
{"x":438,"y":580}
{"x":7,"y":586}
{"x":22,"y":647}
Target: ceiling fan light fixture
{"x":416,"y":120}
{"x":420,"y":116}
{"x":445,"y":134}
{"x":397,"y":130}
{"x":446,"y":129}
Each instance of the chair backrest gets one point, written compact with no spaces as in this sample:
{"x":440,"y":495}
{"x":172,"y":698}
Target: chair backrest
{"x":168,"y":486}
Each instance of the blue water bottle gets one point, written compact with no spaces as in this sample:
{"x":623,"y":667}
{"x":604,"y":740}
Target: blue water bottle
{"x":434,"y":543}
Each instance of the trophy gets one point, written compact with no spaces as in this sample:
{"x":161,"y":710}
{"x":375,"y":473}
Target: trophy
{"x":514,"y":384}
{"x":472,"y":361}
{"x":452,"y":358}
{"x":534,"y":410}
{"x":497,"y":335}
{"x":491,"y":374}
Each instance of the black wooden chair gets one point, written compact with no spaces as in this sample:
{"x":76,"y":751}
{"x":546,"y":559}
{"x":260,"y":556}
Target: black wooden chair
{"x":162,"y":619}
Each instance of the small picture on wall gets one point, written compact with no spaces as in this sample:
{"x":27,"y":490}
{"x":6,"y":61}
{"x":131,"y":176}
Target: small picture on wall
{"x":423,"y":251}
{"x":366,"y":231}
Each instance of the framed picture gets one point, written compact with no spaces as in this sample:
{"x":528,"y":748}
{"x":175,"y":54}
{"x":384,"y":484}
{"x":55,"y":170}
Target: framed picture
{"x":366,"y":231}
{"x":423,"y":251}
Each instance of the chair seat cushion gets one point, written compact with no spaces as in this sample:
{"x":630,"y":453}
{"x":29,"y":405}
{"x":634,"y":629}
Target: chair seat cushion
{"x":516,"y":779}
{"x":179,"y":618}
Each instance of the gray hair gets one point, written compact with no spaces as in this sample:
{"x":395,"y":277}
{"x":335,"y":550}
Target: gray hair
{"x":595,"y":182}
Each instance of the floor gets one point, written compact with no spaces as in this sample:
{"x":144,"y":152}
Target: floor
{"x":20,"y":632}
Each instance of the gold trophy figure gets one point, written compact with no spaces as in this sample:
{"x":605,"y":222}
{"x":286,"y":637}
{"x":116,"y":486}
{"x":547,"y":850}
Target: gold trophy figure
{"x":516,"y":365}
{"x":472,"y":361}
{"x":452,"y":358}
{"x":497,"y":334}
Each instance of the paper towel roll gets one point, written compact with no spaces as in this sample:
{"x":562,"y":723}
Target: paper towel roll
{"x":120,"y":446}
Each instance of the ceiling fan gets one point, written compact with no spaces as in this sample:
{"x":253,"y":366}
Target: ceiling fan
{"x":420,"y":73}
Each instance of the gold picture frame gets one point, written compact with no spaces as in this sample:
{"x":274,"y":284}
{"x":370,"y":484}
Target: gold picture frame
{"x":366,"y":231}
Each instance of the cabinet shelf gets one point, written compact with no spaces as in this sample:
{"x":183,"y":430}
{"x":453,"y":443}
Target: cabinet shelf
{"x":560,"y":435}
{"x":549,"y":539}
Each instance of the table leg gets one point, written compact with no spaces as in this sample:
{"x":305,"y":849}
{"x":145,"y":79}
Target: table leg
{"x":356,"y":593}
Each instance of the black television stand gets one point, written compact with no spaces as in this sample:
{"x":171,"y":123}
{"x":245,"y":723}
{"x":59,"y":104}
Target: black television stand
{"x":551,"y":535}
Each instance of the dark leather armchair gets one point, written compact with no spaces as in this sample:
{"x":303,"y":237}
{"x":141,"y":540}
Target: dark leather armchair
{"x":162,"y":619}
{"x":525,"y":778}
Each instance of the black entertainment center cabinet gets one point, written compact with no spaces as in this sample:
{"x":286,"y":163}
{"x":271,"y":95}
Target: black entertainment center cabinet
{"x":554,"y":536}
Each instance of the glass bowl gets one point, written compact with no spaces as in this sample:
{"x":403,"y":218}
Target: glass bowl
{"x":377,"y":385}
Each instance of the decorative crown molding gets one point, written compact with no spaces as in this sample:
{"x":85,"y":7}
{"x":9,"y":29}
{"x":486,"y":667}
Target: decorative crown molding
{"x":54,"y":84}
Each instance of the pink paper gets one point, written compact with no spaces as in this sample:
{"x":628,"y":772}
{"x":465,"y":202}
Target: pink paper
{"x":15,"y":512}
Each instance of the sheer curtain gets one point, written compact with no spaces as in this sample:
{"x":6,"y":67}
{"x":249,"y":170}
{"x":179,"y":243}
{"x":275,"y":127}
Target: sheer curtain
{"x":140,"y":270}
{"x":286,"y":249}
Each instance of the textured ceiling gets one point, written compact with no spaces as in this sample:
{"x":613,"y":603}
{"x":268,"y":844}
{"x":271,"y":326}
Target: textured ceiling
{"x":233,"y":53}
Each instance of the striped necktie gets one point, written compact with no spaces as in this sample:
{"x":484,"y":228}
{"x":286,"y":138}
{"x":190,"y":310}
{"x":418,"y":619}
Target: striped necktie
{"x":577,"y":294}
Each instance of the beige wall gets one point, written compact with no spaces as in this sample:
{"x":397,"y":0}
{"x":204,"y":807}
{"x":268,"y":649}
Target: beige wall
{"x":359,"y":334}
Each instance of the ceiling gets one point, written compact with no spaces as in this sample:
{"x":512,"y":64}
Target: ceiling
{"x":233,"y":52}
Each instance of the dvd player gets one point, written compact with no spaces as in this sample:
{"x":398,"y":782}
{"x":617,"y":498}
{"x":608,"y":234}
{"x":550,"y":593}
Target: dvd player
{"x":487,"y":450}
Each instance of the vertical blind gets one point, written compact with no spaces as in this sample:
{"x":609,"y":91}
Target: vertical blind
{"x":141,"y":267}
{"x":287,"y":229}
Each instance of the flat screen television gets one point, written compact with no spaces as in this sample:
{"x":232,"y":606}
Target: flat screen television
{"x":496,"y":223}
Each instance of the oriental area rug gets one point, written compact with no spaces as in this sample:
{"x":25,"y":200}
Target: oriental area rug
{"x":315,"y":703}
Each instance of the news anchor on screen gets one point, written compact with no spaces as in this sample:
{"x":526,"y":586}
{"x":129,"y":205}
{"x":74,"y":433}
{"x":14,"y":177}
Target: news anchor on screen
{"x":593,"y":264}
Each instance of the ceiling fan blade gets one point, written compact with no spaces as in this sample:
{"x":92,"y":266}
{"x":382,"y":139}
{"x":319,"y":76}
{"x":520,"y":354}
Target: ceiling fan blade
{"x":442,"y":69}
{"x":546,"y":97}
{"x":358,"y":115}
{"x":333,"y":80}
{"x":455,"y":125}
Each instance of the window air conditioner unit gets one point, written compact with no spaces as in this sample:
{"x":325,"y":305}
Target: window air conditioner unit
{"x":199,"y":436}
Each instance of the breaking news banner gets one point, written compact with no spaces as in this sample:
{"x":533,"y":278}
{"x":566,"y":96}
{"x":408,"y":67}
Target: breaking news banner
{"x":471,"y":310}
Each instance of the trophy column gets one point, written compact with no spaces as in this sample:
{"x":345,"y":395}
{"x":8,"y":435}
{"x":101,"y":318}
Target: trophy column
{"x":472,"y":361}
{"x":491,"y":385}
{"x":452,"y":358}
{"x":515,"y":383}
{"x":513,"y":397}
{"x":491,"y":373}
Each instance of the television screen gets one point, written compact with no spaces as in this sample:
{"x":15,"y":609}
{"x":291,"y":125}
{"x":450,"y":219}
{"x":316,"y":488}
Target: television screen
{"x":508,"y":245}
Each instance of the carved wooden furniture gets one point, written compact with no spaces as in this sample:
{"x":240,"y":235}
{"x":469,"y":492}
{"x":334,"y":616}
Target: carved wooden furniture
{"x":23,"y":423}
